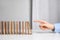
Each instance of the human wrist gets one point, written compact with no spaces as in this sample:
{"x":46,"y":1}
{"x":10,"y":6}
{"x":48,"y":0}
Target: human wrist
{"x":53,"y":28}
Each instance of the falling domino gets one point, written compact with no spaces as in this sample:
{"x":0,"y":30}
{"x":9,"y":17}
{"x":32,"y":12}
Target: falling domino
{"x":4,"y":27}
{"x":7,"y":27}
{"x":16,"y":27}
{"x":13,"y":27}
{"x":19,"y":27}
{"x":0,"y":28}
{"x":26,"y":28}
{"x":22,"y":27}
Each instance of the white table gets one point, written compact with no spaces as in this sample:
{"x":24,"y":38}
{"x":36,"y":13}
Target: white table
{"x":34,"y":36}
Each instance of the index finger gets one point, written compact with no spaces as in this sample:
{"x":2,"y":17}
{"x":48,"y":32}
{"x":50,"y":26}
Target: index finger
{"x":40,"y":21}
{"x":36,"y":21}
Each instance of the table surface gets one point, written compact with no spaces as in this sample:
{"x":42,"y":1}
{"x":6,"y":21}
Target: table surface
{"x":34,"y":36}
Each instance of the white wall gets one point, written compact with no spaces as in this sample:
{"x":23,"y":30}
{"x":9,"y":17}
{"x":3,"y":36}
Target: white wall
{"x":58,"y":10}
{"x":53,"y":11}
{"x":48,"y":10}
{"x":17,"y":10}
{"x":40,"y":12}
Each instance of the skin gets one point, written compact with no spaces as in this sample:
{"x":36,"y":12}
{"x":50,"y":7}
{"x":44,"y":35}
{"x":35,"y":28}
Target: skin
{"x":44,"y":25}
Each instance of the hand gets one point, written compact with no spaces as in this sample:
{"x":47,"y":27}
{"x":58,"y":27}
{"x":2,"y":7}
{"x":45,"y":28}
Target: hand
{"x":45,"y":25}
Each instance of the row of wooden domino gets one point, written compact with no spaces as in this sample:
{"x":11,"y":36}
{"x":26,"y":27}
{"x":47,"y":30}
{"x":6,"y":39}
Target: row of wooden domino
{"x":15,"y":27}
